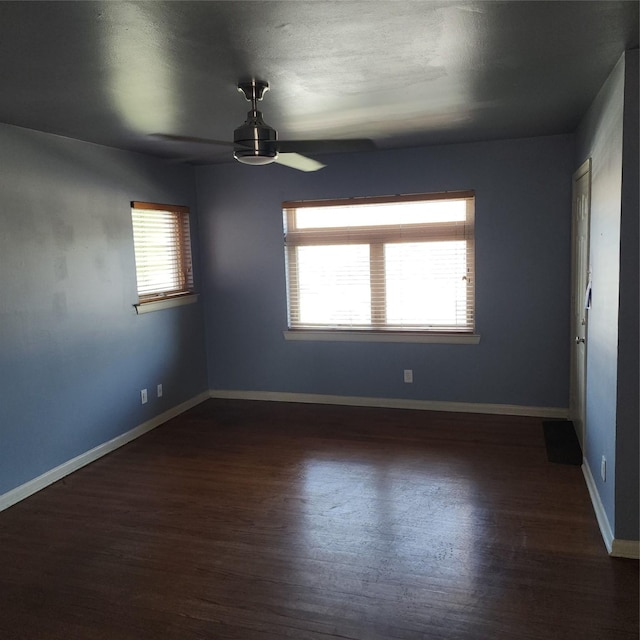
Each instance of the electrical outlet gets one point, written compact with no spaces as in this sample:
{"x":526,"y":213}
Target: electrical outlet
{"x":143,"y":396}
{"x":603,"y":469}
{"x":159,"y":389}
{"x":408,"y":375}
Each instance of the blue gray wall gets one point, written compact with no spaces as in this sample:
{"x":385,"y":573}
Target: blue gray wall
{"x":523,"y":202}
{"x":73,"y":353}
{"x":612,"y":374}
{"x":627,"y":522}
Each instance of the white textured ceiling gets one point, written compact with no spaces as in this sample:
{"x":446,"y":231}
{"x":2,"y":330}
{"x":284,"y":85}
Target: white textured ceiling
{"x":403,"y":73}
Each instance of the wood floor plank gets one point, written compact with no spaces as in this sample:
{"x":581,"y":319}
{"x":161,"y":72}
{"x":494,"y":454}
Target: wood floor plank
{"x":264,"y":521}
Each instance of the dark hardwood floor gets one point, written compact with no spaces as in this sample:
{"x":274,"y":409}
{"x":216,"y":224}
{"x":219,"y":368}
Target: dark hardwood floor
{"x":266,"y":521}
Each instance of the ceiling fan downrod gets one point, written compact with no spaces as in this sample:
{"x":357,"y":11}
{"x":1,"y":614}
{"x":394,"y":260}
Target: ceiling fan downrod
{"x":255,"y":139}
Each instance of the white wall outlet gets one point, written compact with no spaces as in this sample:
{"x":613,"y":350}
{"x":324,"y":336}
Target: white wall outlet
{"x":159,"y":390}
{"x":603,"y":469}
{"x":143,"y":396}
{"x":408,"y":375}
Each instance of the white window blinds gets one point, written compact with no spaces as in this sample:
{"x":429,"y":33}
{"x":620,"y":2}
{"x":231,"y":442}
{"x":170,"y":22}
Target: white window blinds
{"x":162,"y":249}
{"x":403,"y":263}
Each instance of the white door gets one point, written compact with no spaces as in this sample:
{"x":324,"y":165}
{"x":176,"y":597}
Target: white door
{"x":580,"y":296}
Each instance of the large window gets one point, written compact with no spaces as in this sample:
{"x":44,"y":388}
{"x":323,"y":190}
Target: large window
{"x":163,"y":251}
{"x":398,"y":263}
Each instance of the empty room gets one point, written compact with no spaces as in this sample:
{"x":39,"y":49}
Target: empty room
{"x":319,"y":319}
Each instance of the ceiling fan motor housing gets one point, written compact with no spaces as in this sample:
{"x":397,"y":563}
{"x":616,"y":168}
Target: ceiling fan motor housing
{"x":255,"y":141}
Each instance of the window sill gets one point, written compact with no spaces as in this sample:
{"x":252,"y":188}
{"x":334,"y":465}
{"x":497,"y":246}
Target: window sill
{"x":381,"y":336}
{"x":166,"y":303}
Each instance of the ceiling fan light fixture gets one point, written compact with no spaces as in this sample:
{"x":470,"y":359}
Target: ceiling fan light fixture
{"x":249,"y":157}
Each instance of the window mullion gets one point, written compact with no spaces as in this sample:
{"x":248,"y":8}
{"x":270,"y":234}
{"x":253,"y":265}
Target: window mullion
{"x":378,"y":285}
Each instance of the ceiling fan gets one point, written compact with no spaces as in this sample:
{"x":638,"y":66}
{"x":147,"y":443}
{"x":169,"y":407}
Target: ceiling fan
{"x":256,"y":143}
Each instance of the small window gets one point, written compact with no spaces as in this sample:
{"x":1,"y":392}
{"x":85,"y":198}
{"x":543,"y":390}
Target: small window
{"x":162,"y":245}
{"x":398,"y":263}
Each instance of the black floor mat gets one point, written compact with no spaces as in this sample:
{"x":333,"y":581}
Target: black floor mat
{"x":561,"y":442}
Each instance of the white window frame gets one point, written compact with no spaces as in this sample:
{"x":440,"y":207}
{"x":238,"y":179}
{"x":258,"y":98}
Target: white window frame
{"x":378,"y":330}
{"x":179,"y":288}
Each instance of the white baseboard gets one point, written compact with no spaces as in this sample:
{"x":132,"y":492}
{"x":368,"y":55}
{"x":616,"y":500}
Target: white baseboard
{"x":615,"y":546}
{"x":598,"y":507}
{"x":394,"y":403}
{"x":53,"y":475}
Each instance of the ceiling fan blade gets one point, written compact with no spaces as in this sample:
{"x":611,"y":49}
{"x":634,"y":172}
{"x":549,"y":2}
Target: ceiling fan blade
{"x":326,"y":146}
{"x":167,"y":136}
{"x":301,"y":163}
{"x":202,"y":158}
